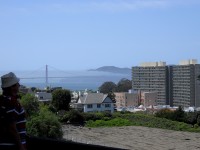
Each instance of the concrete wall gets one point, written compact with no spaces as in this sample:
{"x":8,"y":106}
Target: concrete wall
{"x":149,"y":98}
{"x":124,"y":99}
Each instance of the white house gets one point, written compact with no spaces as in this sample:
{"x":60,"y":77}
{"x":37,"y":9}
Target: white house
{"x":43,"y":96}
{"x":95,"y":102}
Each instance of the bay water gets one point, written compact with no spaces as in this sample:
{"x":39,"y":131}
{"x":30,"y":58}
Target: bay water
{"x":72,"y":80}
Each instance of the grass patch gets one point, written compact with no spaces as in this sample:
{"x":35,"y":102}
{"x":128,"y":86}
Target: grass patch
{"x":134,"y":119}
{"x":109,"y":123}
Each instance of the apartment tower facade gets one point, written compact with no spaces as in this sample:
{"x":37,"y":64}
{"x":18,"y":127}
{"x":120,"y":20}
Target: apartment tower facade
{"x":184,"y":87}
{"x":152,"y":77}
{"x":177,"y":85}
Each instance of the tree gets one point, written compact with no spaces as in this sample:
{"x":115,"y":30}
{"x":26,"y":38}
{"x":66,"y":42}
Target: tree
{"x":111,"y":95}
{"x":107,"y":87}
{"x":45,"y":124}
{"x":124,"y":85}
{"x":179,"y":115}
{"x":33,"y":89}
{"x":30,"y":104}
{"x":61,"y":99}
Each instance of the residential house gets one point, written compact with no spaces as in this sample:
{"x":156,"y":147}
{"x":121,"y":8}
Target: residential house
{"x":44,"y":96}
{"x":95,"y":102}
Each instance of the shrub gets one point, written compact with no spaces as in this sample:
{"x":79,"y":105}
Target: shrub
{"x":178,"y":115}
{"x":191,"y":118}
{"x":45,"y":124}
{"x":30,"y":104}
{"x":198,"y":120}
{"x":164,"y":113}
{"x":93,"y":116}
{"x":73,"y":116}
{"x":196,"y":126}
{"x":76,"y":117}
{"x":109,"y":123}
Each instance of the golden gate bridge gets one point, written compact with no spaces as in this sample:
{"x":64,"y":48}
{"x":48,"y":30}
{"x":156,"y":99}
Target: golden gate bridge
{"x":47,"y":77}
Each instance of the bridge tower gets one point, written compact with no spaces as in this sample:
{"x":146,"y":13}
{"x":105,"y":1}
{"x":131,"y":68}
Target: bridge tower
{"x":46,"y":75}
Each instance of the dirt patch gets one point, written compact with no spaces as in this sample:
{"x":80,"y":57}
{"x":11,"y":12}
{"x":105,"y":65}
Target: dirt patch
{"x":132,"y":137}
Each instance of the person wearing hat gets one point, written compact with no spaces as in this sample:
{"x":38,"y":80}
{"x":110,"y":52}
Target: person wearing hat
{"x":13,"y":119}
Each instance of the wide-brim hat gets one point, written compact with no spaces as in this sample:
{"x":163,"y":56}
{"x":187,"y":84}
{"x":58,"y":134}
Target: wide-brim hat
{"x":8,"y":80}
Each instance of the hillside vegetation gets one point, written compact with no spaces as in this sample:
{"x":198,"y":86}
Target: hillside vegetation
{"x":128,"y":119}
{"x":142,"y":120}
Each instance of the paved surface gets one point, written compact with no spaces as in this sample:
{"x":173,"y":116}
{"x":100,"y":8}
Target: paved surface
{"x":135,"y":138}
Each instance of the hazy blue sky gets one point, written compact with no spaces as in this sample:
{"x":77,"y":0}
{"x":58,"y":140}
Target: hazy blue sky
{"x":86,"y":34}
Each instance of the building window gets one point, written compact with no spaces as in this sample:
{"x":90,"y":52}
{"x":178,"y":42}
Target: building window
{"x":98,"y":105}
{"x":89,"y":106}
{"x":107,"y":105}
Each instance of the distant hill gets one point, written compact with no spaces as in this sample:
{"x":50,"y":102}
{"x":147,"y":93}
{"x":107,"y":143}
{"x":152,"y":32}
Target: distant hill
{"x":113,"y":69}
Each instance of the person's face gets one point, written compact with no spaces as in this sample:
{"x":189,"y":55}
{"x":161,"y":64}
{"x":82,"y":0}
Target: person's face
{"x":15,"y":89}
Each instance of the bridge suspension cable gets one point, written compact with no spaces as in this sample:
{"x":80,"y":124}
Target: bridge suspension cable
{"x":46,"y":77}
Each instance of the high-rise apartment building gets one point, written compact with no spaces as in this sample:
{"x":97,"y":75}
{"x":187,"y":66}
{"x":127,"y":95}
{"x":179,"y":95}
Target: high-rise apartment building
{"x":176,"y":85}
{"x":184,"y":87}
{"x":152,"y":77}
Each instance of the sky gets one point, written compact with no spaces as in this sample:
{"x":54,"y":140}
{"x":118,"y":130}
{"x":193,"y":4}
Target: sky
{"x":88,"y":34}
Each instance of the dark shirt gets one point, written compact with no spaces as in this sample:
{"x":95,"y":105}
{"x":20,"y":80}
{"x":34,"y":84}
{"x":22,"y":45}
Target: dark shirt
{"x":11,"y":111}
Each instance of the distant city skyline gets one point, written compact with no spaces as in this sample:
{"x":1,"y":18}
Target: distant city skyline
{"x":82,"y":35}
